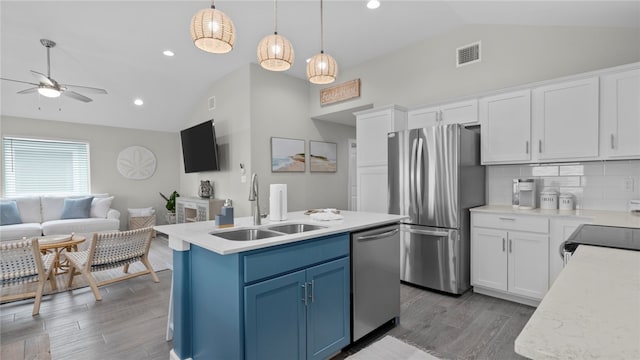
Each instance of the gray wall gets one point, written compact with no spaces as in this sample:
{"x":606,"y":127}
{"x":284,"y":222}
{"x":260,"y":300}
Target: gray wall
{"x":253,"y":105}
{"x":105,"y":143}
{"x":511,"y":55}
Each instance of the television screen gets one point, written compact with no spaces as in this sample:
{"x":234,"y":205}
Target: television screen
{"x":199,"y":148}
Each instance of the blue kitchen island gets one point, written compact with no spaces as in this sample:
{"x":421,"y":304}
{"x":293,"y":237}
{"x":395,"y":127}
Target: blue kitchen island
{"x":281,"y":297}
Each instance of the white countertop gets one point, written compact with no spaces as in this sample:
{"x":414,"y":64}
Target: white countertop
{"x":592,"y":311}
{"x":596,"y":217}
{"x":197,"y":233}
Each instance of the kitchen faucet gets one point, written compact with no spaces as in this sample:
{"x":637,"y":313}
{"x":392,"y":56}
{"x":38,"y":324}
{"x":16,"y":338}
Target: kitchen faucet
{"x":253,"y":196}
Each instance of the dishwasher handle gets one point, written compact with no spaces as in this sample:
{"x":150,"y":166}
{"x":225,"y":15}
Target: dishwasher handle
{"x":378,"y":236}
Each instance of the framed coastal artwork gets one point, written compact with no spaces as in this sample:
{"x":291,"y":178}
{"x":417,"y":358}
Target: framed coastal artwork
{"x":323,"y":156}
{"x":287,"y":155}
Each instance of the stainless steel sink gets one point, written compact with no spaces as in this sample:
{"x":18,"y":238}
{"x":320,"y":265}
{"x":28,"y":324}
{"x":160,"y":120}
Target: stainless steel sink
{"x":295,"y":228}
{"x":246,"y":234}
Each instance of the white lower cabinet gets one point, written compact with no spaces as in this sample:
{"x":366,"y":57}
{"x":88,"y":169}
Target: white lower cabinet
{"x":510,"y":256}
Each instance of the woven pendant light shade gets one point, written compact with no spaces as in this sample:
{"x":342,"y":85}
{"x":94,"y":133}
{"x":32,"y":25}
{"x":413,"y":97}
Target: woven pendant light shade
{"x":213,"y":31}
{"x":275,"y":53}
{"x":322,"y":69}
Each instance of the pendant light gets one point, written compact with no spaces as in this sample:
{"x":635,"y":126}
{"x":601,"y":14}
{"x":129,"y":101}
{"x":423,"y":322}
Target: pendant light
{"x":322,"y":68}
{"x":275,"y":52}
{"x":213,"y":31}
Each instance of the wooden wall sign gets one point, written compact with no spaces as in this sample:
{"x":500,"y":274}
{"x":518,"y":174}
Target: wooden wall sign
{"x":341,"y":92}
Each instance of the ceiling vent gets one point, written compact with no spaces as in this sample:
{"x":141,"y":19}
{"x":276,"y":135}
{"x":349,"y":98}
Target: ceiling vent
{"x":468,"y":54}
{"x":212,"y":103}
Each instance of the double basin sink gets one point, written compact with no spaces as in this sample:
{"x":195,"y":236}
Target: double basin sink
{"x":266,"y":232}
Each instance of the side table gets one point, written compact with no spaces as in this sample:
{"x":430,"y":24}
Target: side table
{"x":57,"y":244}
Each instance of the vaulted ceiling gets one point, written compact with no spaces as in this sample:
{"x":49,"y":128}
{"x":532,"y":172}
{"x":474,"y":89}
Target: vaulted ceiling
{"x":118,"y":45}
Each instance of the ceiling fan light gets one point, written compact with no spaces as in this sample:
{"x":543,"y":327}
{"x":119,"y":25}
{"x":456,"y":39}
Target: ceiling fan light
{"x":48,"y":91}
{"x":213,"y":31}
{"x":322,"y":69}
{"x":275,"y":53}
{"x":373,"y":4}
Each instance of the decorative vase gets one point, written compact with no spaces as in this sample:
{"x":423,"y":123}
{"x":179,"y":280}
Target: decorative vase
{"x":171,"y":218}
{"x":206,"y":189}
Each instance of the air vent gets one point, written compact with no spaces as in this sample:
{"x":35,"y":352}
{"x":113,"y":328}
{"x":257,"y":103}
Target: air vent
{"x":212,"y":103}
{"x":468,"y":54}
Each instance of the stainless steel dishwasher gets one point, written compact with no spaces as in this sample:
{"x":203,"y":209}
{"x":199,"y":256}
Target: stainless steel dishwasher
{"x":375,"y":279}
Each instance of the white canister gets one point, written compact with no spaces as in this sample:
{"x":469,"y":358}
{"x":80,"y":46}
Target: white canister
{"x":566,"y":202}
{"x":548,"y":200}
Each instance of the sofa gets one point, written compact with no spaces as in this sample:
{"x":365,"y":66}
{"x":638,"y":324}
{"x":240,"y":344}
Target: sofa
{"x":56,"y":215}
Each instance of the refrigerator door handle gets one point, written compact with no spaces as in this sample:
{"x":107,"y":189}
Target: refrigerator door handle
{"x":429,"y":232}
{"x":412,"y":175}
{"x":420,"y":152}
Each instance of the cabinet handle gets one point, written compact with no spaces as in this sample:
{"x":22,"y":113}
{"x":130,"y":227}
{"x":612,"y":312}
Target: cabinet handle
{"x":441,"y":115}
{"x":510,"y":245}
{"x":304,"y":298}
{"x":313,"y":299}
{"x":507,"y":218}
{"x":540,"y":146}
{"x":527,"y":147}
{"x":503,"y":249}
{"x":612,"y":142}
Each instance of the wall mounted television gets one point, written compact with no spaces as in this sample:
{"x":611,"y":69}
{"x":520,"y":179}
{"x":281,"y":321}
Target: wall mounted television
{"x":199,"y":148}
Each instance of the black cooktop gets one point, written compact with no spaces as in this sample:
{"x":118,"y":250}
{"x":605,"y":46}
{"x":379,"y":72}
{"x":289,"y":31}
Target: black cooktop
{"x":606,"y":236}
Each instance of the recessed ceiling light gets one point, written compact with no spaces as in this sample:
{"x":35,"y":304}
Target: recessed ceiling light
{"x":309,"y":59}
{"x":373,"y":4}
{"x":138,"y":102}
{"x":168,"y":53}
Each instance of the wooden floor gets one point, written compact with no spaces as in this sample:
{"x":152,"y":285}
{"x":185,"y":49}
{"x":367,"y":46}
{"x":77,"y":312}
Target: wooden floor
{"x":130,"y":323}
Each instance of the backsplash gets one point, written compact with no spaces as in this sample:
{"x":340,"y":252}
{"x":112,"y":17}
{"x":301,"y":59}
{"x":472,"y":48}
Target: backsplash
{"x":601,"y":185}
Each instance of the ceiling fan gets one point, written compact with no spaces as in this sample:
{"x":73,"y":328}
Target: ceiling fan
{"x":48,"y":87}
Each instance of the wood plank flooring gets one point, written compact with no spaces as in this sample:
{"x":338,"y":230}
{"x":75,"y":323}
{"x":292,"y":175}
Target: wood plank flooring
{"x":130,"y":323}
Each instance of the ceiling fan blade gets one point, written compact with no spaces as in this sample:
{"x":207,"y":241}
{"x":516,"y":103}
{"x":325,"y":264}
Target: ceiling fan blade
{"x":18,"y":81}
{"x":42,"y":78}
{"x":88,"y":89}
{"x":75,"y":95}
{"x":28,"y":91}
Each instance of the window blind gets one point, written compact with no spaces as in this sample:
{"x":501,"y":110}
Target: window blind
{"x":41,"y":167}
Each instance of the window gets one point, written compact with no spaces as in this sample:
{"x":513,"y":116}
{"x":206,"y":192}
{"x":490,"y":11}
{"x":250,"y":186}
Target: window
{"x":35,"y":166}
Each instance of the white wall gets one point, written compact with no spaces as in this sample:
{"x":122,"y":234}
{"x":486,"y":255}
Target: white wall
{"x":511,"y":55}
{"x":105,"y":143}
{"x":595,"y":185}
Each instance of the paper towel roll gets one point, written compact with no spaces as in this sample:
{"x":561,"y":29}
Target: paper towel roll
{"x":278,"y":202}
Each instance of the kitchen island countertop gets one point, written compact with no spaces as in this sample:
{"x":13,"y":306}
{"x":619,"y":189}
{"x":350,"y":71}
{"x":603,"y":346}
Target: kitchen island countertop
{"x":198,"y":233}
{"x":592,"y":311}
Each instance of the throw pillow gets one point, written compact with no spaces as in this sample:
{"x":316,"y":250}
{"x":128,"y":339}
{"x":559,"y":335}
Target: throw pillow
{"x":76,"y":208}
{"x":100,"y":207}
{"x":9,"y":214}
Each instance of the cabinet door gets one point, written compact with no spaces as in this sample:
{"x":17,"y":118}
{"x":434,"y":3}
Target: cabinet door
{"x":565,"y":119}
{"x":561,"y":229}
{"x":328,"y":313}
{"x":275,"y":322}
{"x":621,"y":114}
{"x":372,"y":189}
{"x":421,"y":118}
{"x":506,"y":127}
{"x":462,"y":112}
{"x":489,"y":258}
{"x":528,"y":264}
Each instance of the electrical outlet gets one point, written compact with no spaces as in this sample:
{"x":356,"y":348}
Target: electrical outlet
{"x":243,"y":179}
{"x":628,"y":184}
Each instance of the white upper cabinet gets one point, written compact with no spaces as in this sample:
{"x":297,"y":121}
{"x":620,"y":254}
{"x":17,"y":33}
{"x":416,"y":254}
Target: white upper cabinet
{"x":462,"y":112}
{"x":506,"y":127}
{"x":565,"y":120}
{"x":620,"y":134}
{"x":372,"y":127}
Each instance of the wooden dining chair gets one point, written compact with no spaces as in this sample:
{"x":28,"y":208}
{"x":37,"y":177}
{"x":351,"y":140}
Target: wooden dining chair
{"x":21,"y":265}
{"x":109,"y":251}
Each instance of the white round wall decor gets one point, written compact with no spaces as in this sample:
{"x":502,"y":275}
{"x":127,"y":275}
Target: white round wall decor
{"x":136,"y":163}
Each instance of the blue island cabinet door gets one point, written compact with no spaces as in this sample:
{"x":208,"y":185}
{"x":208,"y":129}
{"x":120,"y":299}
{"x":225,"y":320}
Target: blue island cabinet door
{"x":328,"y":312}
{"x":275,"y":324}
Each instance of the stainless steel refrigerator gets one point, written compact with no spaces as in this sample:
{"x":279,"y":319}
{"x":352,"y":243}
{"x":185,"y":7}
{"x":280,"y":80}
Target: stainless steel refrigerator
{"x":435,"y":176}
